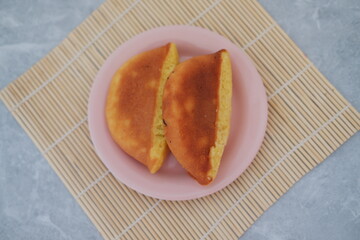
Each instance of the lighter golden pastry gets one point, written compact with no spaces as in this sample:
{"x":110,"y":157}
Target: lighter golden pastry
{"x":134,"y":105}
{"x":196,"y":111}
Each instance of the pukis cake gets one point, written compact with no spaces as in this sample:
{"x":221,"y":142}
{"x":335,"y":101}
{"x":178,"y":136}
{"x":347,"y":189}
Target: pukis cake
{"x":196,"y":112}
{"x":134,"y":105}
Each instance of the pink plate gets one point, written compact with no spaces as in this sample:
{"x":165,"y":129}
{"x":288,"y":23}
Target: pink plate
{"x":248,"y":120}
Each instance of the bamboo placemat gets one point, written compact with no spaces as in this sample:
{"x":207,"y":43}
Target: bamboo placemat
{"x":308,"y":119}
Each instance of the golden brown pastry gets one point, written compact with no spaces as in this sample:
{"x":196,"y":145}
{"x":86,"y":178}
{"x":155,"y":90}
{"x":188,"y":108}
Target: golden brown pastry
{"x":196,"y":112}
{"x":134,"y":105}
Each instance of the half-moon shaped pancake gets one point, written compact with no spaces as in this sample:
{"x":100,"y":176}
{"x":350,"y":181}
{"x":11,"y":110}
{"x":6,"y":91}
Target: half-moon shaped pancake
{"x":134,"y":105}
{"x":196,"y":111}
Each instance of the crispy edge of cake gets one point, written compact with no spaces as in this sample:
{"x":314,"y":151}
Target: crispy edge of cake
{"x":160,"y":149}
{"x":222,"y":124}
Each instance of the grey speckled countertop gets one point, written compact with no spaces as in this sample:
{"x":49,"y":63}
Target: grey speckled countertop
{"x":325,"y":204}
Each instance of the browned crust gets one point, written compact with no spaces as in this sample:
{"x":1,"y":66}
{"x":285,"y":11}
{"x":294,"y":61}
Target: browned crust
{"x":131,"y":102}
{"x":190,"y":106}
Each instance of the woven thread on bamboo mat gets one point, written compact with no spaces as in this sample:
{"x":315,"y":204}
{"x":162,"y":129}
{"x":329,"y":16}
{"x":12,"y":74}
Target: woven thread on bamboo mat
{"x":308,"y":119}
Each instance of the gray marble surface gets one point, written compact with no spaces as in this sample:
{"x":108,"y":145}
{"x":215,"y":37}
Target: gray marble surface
{"x":325,"y":204}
